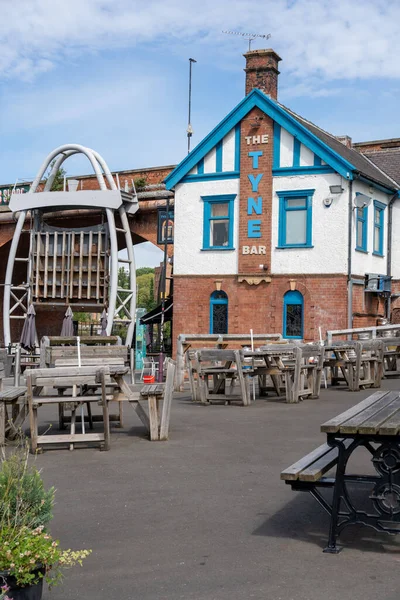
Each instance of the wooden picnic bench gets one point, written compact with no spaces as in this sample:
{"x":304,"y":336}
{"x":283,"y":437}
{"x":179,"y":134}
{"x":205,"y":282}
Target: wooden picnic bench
{"x":391,"y":356}
{"x":69,"y":377}
{"x":373,"y":424}
{"x":360,"y":363}
{"x":295,"y":370}
{"x":222,"y":367}
{"x":10,"y":398}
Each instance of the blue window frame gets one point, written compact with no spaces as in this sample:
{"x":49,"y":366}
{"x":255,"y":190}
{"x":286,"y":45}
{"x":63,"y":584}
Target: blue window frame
{"x":218,"y":222}
{"x":295,"y":219}
{"x":379,"y":221}
{"x":218,"y":312}
{"x":362,"y":229}
{"x":293,"y":315}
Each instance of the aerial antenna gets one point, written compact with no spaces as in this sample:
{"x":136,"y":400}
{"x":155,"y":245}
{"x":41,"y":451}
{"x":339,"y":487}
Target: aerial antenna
{"x":250,"y":37}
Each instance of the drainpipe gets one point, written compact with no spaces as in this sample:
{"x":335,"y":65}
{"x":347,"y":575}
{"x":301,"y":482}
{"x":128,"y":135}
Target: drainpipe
{"x":389,"y":246}
{"x":349,"y":250}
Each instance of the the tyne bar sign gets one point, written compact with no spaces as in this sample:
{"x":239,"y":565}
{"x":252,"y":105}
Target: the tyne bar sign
{"x":254,"y":204}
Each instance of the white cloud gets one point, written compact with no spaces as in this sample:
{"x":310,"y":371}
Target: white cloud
{"x":331,"y":40}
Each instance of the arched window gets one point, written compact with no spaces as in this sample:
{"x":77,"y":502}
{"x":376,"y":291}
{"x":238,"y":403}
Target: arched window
{"x":218,"y":312}
{"x":293,"y":315}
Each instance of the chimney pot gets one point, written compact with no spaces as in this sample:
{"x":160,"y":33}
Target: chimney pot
{"x":262,"y":71}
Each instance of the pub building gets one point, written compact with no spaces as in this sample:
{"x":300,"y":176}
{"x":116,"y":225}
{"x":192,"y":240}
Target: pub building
{"x":281,"y":226}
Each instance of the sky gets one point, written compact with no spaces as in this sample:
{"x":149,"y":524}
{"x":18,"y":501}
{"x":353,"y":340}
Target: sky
{"x":113,"y":74}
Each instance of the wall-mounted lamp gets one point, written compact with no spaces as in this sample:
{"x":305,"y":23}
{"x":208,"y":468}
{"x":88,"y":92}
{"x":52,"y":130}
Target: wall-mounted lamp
{"x":292,"y":283}
{"x":336,"y":189}
{"x":263,"y":267}
{"x":218,"y":284}
{"x":72,"y":184}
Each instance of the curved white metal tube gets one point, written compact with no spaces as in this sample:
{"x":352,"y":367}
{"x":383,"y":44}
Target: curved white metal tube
{"x":132,"y":274}
{"x":96,"y":161}
{"x":8,"y":278}
{"x":83,"y":150}
{"x":131,"y":256}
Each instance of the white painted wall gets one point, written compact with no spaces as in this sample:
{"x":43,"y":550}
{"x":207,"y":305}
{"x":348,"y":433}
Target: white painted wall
{"x":228,"y":151}
{"x":367,"y":262}
{"x":396,"y":240}
{"x":210,"y":162}
{"x":329,"y":237}
{"x":189,"y":259}
{"x":306,"y":156}
{"x":286,"y":158}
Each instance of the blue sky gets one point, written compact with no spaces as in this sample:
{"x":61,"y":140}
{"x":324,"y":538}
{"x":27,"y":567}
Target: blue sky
{"x":113,"y":74}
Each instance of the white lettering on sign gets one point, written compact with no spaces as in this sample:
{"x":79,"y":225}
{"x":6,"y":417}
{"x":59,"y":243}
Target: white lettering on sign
{"x":256,"y":139}
{"x":254,"y":250}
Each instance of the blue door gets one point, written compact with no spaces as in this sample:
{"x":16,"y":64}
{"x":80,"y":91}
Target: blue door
{"x":293,"y":315}
{"x":218,"y":312}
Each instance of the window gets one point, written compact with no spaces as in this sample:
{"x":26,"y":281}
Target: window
{"x":295,"y":219}
{"x":293,"y":315}
{"x":218,"y":222}
{"x":164,"y":227}
{"x":361,"y":228}
{"x":218,"y":312}
{"x":379,"y":216}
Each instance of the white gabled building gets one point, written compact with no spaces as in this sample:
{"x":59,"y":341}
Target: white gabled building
{"x":278,"y":224}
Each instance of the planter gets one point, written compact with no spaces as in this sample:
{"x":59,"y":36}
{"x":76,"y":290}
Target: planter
{"x":29,"y":592}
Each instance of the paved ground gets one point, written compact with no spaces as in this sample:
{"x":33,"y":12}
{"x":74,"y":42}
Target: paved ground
{"x":205,"y":515}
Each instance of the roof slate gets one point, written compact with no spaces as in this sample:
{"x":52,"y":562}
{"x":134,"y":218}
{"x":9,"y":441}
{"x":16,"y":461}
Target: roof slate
{"x":388,"y":161}
{"x":358,"y":160}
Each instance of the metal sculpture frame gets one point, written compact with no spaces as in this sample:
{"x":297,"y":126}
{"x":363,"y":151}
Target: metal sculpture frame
{"x":103,"y":174}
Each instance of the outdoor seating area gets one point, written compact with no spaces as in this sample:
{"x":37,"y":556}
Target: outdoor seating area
{"x":290,"y":371}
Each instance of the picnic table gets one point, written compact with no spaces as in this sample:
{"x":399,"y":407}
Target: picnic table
{"x":373,"y":424}
{"x":10,"y":398}
{"x":360,"y":362}
{"x":295,"y":370}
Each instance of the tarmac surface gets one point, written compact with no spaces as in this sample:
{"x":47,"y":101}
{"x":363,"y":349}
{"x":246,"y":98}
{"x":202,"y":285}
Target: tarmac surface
{"x":205,"y":515}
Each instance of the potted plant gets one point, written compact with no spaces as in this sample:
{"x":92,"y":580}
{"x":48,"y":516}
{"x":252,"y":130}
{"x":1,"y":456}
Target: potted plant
{"x":28,"y":553}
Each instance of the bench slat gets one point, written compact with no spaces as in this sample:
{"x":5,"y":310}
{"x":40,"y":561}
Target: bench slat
{"x":333,"y":425}
{"x":370,"y":414}
{"x":12,"y":393}
{"x":320,"y":466}
{"x":292,"y":472}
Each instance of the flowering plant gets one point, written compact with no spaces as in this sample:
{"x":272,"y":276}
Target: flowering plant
{"x":30,"y":554}
{"x":27,"y":551}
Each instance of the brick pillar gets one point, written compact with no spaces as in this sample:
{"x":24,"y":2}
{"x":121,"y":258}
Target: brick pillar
{"x":262,"y":71}
{"x":255,"y":207}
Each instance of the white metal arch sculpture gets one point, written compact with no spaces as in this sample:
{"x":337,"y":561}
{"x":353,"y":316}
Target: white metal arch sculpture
{"x":110,"y":199}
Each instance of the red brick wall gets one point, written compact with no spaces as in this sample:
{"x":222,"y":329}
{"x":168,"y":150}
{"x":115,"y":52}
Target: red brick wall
{"x":249,"y":263}
{"x":260,"y":307}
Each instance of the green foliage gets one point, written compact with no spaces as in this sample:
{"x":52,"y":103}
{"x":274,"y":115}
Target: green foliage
{"x":23,"y":499}
{"x":82,"y":317}
{"x":25,"y":509}
{"x":144,"y":271}
{"x":140,"y":183}
{"x":58,"y":183}
{"x":23,"y":549}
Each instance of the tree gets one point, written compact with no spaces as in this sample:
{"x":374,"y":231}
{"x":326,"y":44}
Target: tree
{"x":58,"y":183}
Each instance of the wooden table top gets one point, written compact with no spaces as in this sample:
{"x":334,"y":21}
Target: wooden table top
{"x":378,"y":414}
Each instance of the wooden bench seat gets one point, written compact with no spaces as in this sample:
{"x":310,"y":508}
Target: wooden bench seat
{"x":312,"y":466}
{"x":12,"y":393}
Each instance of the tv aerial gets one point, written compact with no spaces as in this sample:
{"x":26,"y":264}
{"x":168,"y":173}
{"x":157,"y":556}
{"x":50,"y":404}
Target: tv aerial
{"x":250,"y":37}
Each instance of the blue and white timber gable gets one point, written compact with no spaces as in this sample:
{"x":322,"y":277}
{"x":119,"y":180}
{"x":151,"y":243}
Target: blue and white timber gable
{"x":221,"y":162}
{"x":291,"y":157}
{"x":212,"y":192}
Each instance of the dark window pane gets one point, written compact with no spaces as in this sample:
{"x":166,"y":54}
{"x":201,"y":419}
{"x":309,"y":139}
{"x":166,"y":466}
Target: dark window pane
{"x":219,"y":233}
{"x":294,"y":319}
{"x":220,"y":318}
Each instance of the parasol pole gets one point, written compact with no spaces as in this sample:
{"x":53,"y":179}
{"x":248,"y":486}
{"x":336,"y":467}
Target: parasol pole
{"x":78,"y":345}
{"x":252,"y":349}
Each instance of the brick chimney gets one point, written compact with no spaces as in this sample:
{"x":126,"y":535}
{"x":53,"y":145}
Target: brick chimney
{"x":262,"y":71}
